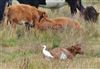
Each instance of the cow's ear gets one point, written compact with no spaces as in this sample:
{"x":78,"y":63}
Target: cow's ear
{"x":72,"y":47}
{"x":45,"y":14}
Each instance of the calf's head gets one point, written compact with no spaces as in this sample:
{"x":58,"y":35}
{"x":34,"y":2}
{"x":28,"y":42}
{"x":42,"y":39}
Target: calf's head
{"x":42,"y":14}
{"x":76,"y":49}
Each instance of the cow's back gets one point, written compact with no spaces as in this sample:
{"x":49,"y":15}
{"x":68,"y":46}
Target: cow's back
{"x":63,"y":21}
{"x":21,"y":12}
{"x":29,"y":2}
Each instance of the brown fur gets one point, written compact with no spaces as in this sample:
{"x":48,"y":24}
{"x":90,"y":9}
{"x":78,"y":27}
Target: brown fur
{"x":58,"y":23}
{"x":71,"y":52}
{"x":21,"y":12}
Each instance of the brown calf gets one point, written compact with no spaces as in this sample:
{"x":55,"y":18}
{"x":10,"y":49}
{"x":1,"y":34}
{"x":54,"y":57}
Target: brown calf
{"x":69,"y":53}
{"x":21,"y":13}
{"x":58,"y":23}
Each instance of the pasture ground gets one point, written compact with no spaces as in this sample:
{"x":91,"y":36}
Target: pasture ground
{"x":25,"y":52}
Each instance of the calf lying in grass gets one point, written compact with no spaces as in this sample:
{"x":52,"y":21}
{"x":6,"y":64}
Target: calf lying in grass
{"x":57,"y":24}
{"x":67,"y":53}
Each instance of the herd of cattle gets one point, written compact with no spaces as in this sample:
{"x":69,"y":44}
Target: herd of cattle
{"x":29,"y":14}
{"x":33,"y":17}
{"x":74,"y":4}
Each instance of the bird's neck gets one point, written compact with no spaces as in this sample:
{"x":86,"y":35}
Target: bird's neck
{"x":44,"y":48}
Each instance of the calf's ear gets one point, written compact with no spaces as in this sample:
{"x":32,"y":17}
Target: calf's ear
{"x":44,"y":14}
{"x":72,"y":47}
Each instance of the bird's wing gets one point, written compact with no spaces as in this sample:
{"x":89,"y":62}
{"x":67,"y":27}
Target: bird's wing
{"x":48,"y":53}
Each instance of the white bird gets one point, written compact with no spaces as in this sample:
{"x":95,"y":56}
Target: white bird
{"x":46,"y":53}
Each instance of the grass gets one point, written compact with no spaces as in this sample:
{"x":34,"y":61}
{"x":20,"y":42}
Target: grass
{"x":25,"y":51}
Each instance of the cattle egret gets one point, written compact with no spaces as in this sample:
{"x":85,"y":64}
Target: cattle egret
{"x":46,"y":53}
{"x":63,"y":56}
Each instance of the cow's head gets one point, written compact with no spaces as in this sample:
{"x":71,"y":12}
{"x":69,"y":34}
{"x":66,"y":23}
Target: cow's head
{"x":90,"y":14}
{"x":42,"y":14}
{"x":76,"y":49}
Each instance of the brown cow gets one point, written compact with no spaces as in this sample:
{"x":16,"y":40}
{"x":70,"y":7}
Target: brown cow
{"x":57,"y":23}
{"x":21,"y":13}
{"x":67,"y":53}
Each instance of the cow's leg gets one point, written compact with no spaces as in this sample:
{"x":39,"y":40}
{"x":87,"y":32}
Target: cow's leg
{"x":2,"y":8}
{"x":80,"y":6}
{"x":73,"y":6}
{"x":73,"y":10}
{"x":1,"y":14}
{"x":27,"y":25}
{"x":13,"y":30}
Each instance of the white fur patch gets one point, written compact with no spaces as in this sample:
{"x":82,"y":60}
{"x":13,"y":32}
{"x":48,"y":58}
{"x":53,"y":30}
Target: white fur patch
{"x":63,"y":56}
